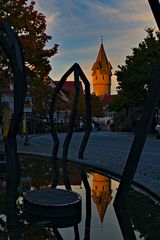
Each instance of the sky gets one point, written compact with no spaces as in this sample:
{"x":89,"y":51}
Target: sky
{"x":77,"y":26}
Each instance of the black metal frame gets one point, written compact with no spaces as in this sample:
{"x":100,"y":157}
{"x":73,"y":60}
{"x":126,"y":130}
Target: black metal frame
{"x":78,"y":73}
{"x":12,"y":47}
{"x":1,"y":115}
{"x":143,"y":127}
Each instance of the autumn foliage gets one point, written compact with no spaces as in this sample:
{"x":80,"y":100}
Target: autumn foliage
{"x":30,"y":26}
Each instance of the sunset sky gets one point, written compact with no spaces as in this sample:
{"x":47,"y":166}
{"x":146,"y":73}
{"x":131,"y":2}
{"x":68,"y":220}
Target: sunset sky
{"x":77,"y":26}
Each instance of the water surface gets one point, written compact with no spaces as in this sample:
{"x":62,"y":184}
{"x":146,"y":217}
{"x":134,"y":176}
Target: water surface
{"x":141,"y":220}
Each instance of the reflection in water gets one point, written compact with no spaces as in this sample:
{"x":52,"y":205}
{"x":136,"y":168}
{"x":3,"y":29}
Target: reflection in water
{"x":88,"y":203}
{"x":101,"y":190}
{"x":144,"y":215}
{"x":124,"y":223}
{"x":13,"y":225}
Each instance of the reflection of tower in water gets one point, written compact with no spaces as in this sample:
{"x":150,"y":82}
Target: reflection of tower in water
{"x":101,"y":190}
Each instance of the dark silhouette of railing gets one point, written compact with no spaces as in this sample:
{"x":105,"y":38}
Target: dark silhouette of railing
{"x":143,"y":127}
{"x":78,"y":73}
{"x":124,"y":221}
{"x":12,"y":47}
{"x":1,"y":114}
{"x":88,"y":203}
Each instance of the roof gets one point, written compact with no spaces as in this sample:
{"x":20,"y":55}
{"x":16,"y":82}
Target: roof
{"x":69,"y":86}
{"x":105,"y":99}
{"x":102,"y":62}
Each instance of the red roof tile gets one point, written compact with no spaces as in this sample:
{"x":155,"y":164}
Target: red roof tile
{"x":69,"y":86}
{"x":104,"y":100}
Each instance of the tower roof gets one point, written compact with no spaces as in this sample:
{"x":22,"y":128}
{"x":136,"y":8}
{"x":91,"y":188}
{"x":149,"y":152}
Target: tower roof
{"x":102,"y":62}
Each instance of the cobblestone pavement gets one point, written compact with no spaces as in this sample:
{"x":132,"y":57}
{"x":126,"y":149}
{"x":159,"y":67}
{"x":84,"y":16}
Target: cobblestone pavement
{"x":105,"y":150}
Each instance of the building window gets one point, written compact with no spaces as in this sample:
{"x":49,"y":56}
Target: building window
{"x":103,"y":77}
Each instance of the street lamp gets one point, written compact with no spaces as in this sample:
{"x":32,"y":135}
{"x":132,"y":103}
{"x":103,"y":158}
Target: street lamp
{"x":27,"y":109}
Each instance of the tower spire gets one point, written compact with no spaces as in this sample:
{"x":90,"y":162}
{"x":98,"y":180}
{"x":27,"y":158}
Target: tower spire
{"x":101,"y":39}
{"x":101,"y":73}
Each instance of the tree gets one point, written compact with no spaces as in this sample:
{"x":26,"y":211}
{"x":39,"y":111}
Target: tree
{"x":135,"y":76}
{"x":81,"y":108}
{"x":97,"y":110}
{"x":30,"y":26}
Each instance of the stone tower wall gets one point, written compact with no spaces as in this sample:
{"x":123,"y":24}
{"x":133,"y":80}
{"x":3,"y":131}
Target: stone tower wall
{"x":101,"y":74}
{"x":101,"y":84}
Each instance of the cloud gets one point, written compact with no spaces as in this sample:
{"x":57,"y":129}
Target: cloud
{"x":49,"y":12}
{"x":81,"y":19}
{"x":51,"y":19}
{"x":79,"y":51}
{"x":125,"y":11}
{"x":77,"y":26}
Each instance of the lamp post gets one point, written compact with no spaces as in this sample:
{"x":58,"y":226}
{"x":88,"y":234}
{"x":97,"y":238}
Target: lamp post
{"x":26,"y":140}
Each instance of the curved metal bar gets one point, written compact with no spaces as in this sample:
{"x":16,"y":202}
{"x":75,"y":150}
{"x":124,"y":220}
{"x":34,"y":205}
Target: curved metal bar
{"x":88,"y":113}
{"x":144,"y":124}
{"x":77,"y":73}
{"x":13,"y":50}
{"x":11,"y":194}
{"x":76,"y":233}
{"x":71,"y":126}
{"x":54,"y":151}
{"x":125,"y":222}
{"x":139,"y":140}
{"x":57,"y":234}
{"x":155,"y":7}
{"x":53,"y":131}
{"x":88,"y":202}
{"x":1,"y":115}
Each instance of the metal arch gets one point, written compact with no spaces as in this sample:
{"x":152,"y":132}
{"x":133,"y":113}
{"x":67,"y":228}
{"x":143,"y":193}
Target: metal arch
{"x":1,"y":115}
{"x":12,"y":47}
{"x":77,"y":74}
{"x":88,"y":113}
{"x":71,"y":127}
{"x":143,"y":127}
{"x":155,"y":7}
{"x":53,"y":130}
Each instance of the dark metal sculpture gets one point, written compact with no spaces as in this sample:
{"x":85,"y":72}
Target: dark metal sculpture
{"x":1,"y":115}
{"x":143,"y":127}
{"x":155,"y":7}
{"x":124,"y":221}
{"x":12,"y":47}
{"x":11,"y":194}
{"x":88,"y":203}
{"x":78,"y":73}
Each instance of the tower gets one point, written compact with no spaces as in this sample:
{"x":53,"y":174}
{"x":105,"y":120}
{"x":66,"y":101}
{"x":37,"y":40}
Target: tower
{"x":101,"y":190}
{"x":101,"y":73}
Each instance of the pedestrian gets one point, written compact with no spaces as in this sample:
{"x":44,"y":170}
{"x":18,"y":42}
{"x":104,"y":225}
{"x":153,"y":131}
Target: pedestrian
{"x":93,"y":127}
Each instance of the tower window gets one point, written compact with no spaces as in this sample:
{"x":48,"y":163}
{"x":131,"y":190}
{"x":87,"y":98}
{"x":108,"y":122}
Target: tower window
{"x":96,"y":77}
{"x":103,"y":77}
